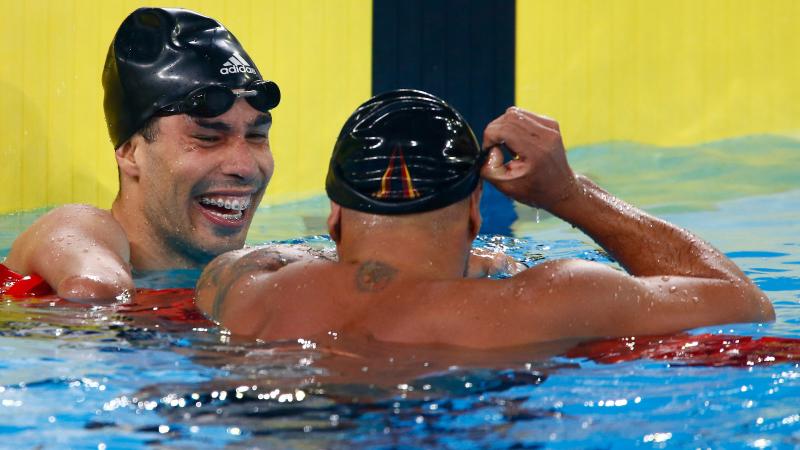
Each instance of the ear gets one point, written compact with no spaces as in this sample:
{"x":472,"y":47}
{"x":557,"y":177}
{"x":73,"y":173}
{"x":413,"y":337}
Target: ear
{"x":475,"y":219}
{"x":127,"y":154}
{"x":335,"y":222}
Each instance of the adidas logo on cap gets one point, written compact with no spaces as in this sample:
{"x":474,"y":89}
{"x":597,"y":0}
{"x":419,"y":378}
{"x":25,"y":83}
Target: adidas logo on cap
{"x":236,"y":64}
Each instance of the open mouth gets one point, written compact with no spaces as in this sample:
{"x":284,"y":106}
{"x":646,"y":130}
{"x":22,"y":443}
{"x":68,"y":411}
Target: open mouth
{"x":225,"y":207}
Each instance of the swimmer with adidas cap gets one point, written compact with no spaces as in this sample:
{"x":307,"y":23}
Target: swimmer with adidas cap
{"x":188,"y":113}
{"x":404,"y":188}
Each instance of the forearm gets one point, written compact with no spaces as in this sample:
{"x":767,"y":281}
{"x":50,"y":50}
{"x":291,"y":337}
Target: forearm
{"x":540,"y":176}
{"x":643,"y":244}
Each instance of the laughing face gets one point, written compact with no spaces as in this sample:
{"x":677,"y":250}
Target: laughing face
{"x":200,"y":182}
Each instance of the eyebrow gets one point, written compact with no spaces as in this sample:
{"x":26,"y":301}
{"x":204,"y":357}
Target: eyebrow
{"x":260,"y":120}
{"x":218,"y":126}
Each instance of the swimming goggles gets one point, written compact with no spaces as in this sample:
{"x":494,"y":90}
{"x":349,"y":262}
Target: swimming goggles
{"x":213,"y":100}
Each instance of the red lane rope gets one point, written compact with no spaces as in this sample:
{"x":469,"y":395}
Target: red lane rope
{"x":17,"y":285}
{"x":714,"y":350}
{"x":175,"y":308}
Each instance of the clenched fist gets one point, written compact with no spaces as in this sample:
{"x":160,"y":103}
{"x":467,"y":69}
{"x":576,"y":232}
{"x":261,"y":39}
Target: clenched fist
{"x":539,"y":174}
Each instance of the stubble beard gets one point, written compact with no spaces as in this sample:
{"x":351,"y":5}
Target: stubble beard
{"x":178,"y":237}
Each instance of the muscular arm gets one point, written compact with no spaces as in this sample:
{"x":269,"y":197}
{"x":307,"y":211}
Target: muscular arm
{"x":81,"y":251}
{"x":647,"y":247}
{"x":576,"y":300}
{"x":601,"y":301}
{"x":644,"y":245}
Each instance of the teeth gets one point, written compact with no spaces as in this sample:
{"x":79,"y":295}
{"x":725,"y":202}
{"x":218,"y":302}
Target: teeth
{"x":236,"y":204}
{"x":236,"y":216}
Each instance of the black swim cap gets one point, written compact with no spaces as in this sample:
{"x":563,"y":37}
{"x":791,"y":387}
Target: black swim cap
{"x":402,"y":152}
{"x":158,"y":56}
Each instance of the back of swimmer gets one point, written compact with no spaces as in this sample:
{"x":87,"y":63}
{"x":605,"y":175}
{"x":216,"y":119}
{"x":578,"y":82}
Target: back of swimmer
{"x":404,"y":184}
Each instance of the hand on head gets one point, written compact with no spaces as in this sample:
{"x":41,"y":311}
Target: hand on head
{"x":539,"y":174}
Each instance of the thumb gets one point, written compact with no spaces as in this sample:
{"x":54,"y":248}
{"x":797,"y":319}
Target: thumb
{"x":494,"y":169}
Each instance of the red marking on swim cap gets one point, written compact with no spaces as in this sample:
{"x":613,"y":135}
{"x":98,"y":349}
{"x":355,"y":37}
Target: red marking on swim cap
{"x":408,"y":190}
{"x":408,"y":185}
{"x":385,"y":190}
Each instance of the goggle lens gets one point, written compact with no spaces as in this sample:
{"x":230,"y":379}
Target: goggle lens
{"x":212,"y":101}
{"x":267,"y":95}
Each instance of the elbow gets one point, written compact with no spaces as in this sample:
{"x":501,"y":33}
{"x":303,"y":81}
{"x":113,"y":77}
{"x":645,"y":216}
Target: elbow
{"x":759,"y":306}
{"x":765,"y":309}
{"x":94,"y":290}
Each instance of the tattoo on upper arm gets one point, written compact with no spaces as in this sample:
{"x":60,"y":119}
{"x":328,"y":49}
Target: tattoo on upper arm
{"x":224,"y":272}
{"x":372,"y":276}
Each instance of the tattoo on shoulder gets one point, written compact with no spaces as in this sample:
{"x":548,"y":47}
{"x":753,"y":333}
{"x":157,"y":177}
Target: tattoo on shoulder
{"x":373,"y":276}
{"x":224,"y":271}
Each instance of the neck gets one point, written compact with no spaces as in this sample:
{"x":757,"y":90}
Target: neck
{"x":412,"y":253}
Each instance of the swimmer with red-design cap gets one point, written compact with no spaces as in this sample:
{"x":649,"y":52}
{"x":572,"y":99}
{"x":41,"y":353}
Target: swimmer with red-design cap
{"x":404,"y":189}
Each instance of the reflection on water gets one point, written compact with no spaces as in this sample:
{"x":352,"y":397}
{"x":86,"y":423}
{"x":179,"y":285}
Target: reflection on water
{"x":78,"y":377}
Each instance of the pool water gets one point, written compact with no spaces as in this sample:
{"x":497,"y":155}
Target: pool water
{"x":78,"y":377}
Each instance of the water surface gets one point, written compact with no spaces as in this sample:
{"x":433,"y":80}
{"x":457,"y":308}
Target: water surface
{"x":95,"y":377}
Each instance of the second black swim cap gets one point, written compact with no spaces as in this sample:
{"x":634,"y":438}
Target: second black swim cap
{"x":402,"y":152}
{"x":158,"y":56}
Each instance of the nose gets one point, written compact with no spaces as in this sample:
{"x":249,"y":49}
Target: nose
{"x":241,"y":161}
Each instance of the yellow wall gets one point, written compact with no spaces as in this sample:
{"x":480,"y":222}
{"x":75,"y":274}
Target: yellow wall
{"x":666,"y":72}
{"x":669,"y":72}
{"x":54,"y":147}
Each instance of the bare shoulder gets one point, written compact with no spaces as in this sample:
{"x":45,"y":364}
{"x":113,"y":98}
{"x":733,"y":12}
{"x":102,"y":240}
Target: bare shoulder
{"x":67,"y":225}
{"x":74,"y":215}
{"x":258,"y":293}
{"x":567,"y":266}
{"x":547,"y":302}
{"x":571,"y":277}
{"x":86,"y":220}
{"x":234,"y":281}
{"x":263,"y":259}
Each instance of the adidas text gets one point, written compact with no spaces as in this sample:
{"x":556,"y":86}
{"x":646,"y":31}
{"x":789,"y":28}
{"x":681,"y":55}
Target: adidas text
{"x":236,"y":69}
{"x":236,"y":64}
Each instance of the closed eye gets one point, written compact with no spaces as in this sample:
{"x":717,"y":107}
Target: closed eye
{"x":256,"y":137}
{"x":206,"y":138}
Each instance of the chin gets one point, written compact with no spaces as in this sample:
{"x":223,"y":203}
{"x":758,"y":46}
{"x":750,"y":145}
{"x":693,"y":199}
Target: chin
{"x":202,"y":248}
{"x":217,"y":248}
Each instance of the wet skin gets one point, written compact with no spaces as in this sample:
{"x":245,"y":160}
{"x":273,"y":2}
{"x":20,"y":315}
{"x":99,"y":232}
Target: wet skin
{"x":173,"y":182}
{"x":157,"y":221}
{"x":379,"y":289}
